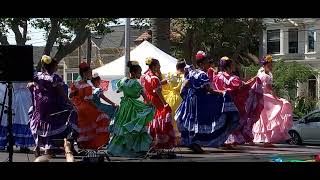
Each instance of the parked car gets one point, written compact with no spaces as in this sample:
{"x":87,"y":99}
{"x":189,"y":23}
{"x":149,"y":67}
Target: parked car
{"x":306,"y":129}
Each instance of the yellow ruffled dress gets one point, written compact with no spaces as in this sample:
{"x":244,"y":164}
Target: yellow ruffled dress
{"x":171,"y":93}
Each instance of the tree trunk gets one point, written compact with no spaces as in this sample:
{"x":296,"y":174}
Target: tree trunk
{"x":52,"y":36}
{"x":21,"y":38}
{"x":81,"y":37}
{"x":188,"y":48}
{"x":160,"y":28}
{"x":260,"y":42}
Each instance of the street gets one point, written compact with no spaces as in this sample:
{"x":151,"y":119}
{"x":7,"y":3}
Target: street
{"x":240,"y":154}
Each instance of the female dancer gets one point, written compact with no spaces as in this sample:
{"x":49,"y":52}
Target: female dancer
{"x":22,"y":101}
{"x":206,"y":117}
{"x":247,"y":96}
{"x":276,"y":117}
{"x":171,"y":91}
{"x":52,"y":116}
{"x":161,"y":128}
{"x":98,"y":94}
{"x":129,"y":128}
{"x":92,"y":122}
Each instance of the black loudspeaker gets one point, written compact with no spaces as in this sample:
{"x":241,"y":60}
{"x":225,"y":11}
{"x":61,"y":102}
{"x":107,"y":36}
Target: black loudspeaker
{"x":16,"y":63}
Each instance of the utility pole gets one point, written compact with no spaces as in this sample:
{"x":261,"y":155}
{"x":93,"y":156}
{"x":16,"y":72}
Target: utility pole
{"x":127,"y":45}
{"x":89,"y":49}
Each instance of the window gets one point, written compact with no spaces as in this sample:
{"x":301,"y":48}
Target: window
{"x":273,"y":41}
{"x":71,"y":77}
{"x":293,"y":40}
{"x":311,"y":39}
{"x":312,"y":87}
{"x":315,"y":117}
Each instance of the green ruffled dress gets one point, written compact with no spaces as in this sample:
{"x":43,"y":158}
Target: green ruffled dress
{"x":130,"y":137}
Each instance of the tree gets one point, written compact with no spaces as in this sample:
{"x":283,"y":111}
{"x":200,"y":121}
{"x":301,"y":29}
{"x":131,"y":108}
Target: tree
{"x":14,"y":24}
{"x":160,"y":28}
{"x":234,"y":37}
{"x":68,"y":33}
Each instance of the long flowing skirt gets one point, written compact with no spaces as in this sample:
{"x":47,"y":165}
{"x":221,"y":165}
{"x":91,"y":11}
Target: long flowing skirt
{"x":206,"y":119}
{"x":93,"y":126}
{"x":129,"y":128}
{"x":249,"y":101}
{"x":161,"y":129}
{"x":275,"y":121}
{"x":22,"y":136}
{"x":173,"y":98}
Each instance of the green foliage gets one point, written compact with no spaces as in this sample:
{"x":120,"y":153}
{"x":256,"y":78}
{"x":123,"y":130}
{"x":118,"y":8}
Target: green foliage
{"x":304,"y":105}
{"x":287,"y":75}
{"x":68,"y":27}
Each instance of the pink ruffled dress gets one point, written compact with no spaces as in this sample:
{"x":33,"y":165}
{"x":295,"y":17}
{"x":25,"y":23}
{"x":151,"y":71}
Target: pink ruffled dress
{"x":276,"y":117}
{"x":248,"y":100}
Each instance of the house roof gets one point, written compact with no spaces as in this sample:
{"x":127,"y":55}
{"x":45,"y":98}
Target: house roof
{"x":116,"y":39}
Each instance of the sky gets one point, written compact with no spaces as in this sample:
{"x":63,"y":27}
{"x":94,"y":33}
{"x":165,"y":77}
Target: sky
{"x":37,"y":36}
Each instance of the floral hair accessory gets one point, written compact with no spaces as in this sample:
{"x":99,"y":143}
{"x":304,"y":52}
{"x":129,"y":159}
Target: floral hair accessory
{"x":149,"y":60}
{"x":200,"y":55}
{"x":224,"y":58}
{"x":95,"y":75}
{"x":46,"y":59}
{"x":135,"y":63}
{"x":267,"y":59}
{"x":224,"y":61}
{"x":83,"y":65}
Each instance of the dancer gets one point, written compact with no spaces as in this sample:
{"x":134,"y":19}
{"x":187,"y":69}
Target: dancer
{"x":161,"y":128}
{"x":98,"y":95}
{"x":129,"y":128}
{"x":52,"y":116}
{"x":276,"y":117}
{"x":21,"y":131}
{"x":171,"y":91}
{"x":92,"y":122}
{"x":247,"y":96}
{"x":206,"y":117}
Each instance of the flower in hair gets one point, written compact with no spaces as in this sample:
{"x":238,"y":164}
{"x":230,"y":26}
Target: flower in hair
{"x":135,"y":63}
{"x":200,"y":55}
{"x":149,"y":60}
{"x":83,"y":65}
{"x":46,"y":59}
{"x":268,"y":58}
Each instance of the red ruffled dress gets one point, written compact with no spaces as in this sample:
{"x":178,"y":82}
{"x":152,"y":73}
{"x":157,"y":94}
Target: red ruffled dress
{"x":161,"y":128}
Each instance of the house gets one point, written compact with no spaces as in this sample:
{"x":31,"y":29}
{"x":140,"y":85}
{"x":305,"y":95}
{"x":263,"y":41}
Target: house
{"x":105,"y":48}
{"x":295,"y":40}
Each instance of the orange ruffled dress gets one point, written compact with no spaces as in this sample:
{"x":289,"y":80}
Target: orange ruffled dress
{"x":92,"y":122}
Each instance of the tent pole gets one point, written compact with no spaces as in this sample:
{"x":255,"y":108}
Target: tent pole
{"x":127,"y":45}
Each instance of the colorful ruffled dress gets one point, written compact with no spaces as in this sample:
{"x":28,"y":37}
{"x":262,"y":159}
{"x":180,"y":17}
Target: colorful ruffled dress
{"x":129,"y":128}
{"x":204,"y":119}
{"x":171,"y":93}
{"x":93,"y":123}
{"x":110,"y":110}
{"x":248,"y":100}
{"x":161,"y":128}
{"x":49,"y":118}
{"x":22,"y":101}
{"x":276,"y":117}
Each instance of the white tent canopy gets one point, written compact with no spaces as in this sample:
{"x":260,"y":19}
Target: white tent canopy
{"x":116,"y":69}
